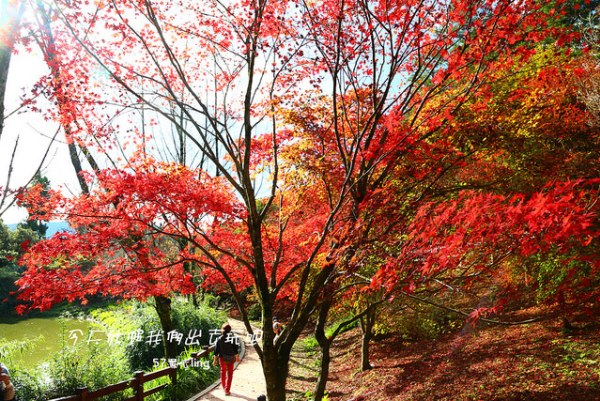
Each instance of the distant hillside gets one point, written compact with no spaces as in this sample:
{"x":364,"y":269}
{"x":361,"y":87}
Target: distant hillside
{"x":53,"y":227}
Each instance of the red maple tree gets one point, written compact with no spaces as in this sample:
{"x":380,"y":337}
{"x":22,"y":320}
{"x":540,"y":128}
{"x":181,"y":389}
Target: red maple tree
{"x":325,"y":126}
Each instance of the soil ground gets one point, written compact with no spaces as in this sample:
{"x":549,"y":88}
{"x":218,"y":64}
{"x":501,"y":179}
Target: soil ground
{"x":533,"y":362}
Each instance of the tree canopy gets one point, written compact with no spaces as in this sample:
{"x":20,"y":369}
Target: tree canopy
{"x":345,"y":144}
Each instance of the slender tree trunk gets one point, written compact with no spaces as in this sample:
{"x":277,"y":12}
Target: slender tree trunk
{"x":5,"y":55}
{"x":163,"y":308}
{"x":323,"y":372}
{"x":76,"y":162}
{"x":10,"y":18}
{"x":325,"y":345}
{"x":275,"y":356}
{"x":365,"y":352}
{"x":366,"y":325}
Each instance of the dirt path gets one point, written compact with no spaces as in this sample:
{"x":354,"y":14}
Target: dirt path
{"x":248,"y":380}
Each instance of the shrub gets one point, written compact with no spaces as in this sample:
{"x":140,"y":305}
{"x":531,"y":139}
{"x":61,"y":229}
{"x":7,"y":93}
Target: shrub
{"x":141,"y":321}
{"x":254,"y":312}
{"x":92,"y":365}
{"x":30,"y":385}
{"x":425,"y":321}
{"x":189,"y":380}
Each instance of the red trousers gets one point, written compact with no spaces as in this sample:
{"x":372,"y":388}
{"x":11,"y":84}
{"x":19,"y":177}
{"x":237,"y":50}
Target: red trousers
{"x":226,"y":374}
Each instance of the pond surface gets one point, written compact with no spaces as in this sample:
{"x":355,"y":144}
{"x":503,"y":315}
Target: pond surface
{"x":52,"y":332}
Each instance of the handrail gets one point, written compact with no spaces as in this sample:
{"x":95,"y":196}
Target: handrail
{"x":137,"y":382}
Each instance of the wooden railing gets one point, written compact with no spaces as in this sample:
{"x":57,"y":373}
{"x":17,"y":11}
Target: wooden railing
{"x":137,"y":382}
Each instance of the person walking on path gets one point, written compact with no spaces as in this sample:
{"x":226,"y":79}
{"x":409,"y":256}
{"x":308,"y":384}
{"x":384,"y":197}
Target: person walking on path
{"x":249,"y":378}
{"x":226,"y":354}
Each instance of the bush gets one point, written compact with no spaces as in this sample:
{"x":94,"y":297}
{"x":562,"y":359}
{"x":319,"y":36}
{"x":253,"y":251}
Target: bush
{"x":29,"y":385}
{"x":426,"y":321}
{"x":254,"y":312}
{"x":189,"y":380}
{"x":8,"y":275}
{"x":141,"y":321}
{"x":92,"y":365}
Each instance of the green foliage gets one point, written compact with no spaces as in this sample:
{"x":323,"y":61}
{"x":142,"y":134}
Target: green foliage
{"x":254,"y":312}
{"x":330,"y":330}
{"x":8,"y":302}
{"x":204,"y":317}
{"x":426,"y":321}
{"x":37,"y":226}
{"x":550,"y":272}
{"x":310,"y":345}
{"x":132,"y":317}
{"x":189,"y":380}
{"x":12,"y":244}
{"x":10,"y":349}
{"x":118,"y":318}
{"x":139,"y":353}
{"x":576,"y":352}
{"x":92,"y":365}
{"x":29,"y":385}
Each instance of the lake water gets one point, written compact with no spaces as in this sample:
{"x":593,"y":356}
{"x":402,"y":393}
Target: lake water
{"x":54,"y":333}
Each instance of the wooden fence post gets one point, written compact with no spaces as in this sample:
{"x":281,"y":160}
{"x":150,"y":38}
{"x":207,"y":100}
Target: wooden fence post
{"x":139,"y":386}
{"x":173,"y":375}
{"x":82,"y":393}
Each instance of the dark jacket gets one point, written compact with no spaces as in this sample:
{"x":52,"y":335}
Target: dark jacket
{"x":226,"y":349}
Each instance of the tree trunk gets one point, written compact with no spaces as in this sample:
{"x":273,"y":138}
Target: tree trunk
{"x":76,"y":162}
{"x":364,"y":352}
{"x":163,"y":308}
{"x":10,"y":19}
{"x":323,"y":372}
{"x":275,"y":369}
{"x":5,"y":55}
{"x":325,"y":344}
{"x":366,"y":325}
